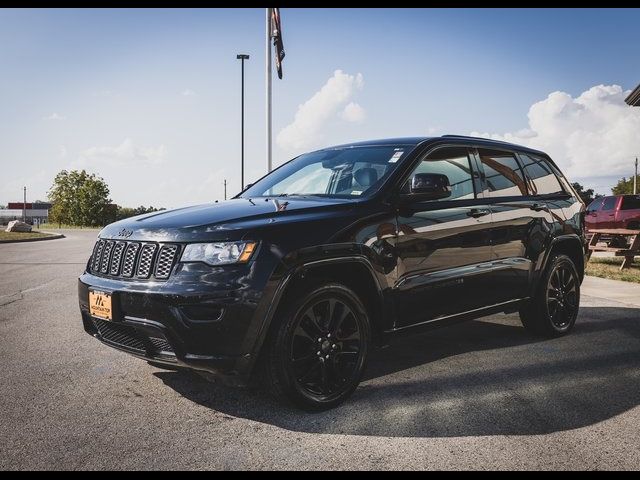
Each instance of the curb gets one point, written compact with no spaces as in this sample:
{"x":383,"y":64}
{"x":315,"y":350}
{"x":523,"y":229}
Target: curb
{"x":51,"y":237}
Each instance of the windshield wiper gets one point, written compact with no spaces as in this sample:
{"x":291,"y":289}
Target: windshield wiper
{"x":291,"y":195}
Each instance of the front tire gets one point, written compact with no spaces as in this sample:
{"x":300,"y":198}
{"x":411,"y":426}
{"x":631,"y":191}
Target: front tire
{"x":318,"y":350}
{"x":553,"y":311}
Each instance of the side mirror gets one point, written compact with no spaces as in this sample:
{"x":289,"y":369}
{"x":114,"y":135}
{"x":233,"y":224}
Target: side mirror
{"x":430,"y":186}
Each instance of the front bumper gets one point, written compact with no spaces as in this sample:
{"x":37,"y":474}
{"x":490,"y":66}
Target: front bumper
{"x":210,"y":321}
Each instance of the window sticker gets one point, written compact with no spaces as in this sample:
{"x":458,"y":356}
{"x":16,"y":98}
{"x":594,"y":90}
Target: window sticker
{"x":396,"y":156}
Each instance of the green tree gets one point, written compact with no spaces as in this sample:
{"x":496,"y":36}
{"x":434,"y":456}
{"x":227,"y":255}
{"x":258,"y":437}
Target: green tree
{"x":126,"y":212}
{"x":587,"y":195}
{"x":625,"y":186}
{"x":79,"y":199}
{"x":2,"y":207}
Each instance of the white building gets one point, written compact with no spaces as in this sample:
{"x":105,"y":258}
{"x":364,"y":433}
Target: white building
{"x":33,"y":215}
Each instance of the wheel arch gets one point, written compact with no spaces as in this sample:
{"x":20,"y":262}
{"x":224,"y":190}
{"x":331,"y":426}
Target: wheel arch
{"x":355,"y":272}
{"x":569,"y":245}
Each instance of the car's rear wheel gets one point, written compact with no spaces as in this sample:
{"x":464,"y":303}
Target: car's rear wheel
{"x":554,"y":309}
{"x":318,"y":350}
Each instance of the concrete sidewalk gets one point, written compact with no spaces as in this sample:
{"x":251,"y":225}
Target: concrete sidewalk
{"x":623,"y":292}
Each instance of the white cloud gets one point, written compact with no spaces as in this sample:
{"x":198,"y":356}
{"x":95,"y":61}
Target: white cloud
{"x":125,"y":154}
{"x":188,"y":93}
{"x":105,"y":93}
{"x":54,"y":117}
{"x":593,"y":135}
{"x":306,"y":130}
{"x":62,"y":152}
{"x":354,"y":113}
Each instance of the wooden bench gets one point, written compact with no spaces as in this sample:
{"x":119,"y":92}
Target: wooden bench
{"x":629,"y":236}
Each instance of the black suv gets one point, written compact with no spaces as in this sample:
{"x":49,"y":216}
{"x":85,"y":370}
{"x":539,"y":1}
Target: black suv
{"x":336,"y":251}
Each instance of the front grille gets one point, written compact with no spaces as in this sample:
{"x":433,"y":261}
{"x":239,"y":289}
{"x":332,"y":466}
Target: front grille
{"x":146,"y":259}
{"x":161,"y":345}
{"x":143,"y":260}
{"x":165,"y":261}
{"x":122,"y":336}
{"x":130,"y":259}
{"x":106,"y":257}
{"x":116,"y":260}
{"x":133,"y":340}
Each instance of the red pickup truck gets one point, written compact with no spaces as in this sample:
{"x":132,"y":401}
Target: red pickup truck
{"x":619,"y":211}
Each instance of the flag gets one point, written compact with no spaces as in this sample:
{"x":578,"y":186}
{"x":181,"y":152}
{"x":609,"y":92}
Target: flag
{"x":276,"y":34}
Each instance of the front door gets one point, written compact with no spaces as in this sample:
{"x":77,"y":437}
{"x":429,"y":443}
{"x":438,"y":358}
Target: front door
{"x":591,"y":215}
{"x":443,"y":246}
{"x":607,"y":214}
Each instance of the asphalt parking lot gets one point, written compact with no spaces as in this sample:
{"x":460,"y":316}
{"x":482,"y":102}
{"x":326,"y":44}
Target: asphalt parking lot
{"x":479,"y":395}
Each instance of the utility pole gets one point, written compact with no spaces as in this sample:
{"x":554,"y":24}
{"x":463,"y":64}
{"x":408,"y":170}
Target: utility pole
{"x":635,"y":179}
{"x":242,"y":57}
{"x":225,"y":188}
{"x":24,"y":206}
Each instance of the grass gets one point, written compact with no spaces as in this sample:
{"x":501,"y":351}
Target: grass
{"x":609,"y":267}
{"x":54,"y":226}
{"x":22,"y":235}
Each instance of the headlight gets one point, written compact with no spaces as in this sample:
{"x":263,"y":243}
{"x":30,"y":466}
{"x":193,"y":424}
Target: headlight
{"x":215,"y":254}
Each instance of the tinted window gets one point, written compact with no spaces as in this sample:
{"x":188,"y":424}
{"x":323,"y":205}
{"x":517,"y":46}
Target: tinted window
{"x":631,"y":203}
{"x":503,"y":174}
{"x":454,"y":163}
{"x":595,"y":205}
{"x":610,"y":203}
{"x":542,"y":179}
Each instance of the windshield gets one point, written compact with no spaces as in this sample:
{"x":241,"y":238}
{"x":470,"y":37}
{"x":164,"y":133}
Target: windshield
{"x":350,"y":172}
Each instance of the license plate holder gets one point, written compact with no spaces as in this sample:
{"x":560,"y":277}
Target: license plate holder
{"x":101,"y":304}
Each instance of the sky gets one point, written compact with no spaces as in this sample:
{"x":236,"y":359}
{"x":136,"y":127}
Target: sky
{"x":150,"y":99}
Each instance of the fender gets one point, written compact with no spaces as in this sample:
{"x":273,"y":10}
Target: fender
{"x":286,"y":280}
{"x":544,"y":260}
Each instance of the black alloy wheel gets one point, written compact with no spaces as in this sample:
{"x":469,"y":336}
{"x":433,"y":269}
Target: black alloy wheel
{"x":562,"y":296}
{"x":326,"y":347}
{"x":553,"y":310}
{"x":320,"y":348}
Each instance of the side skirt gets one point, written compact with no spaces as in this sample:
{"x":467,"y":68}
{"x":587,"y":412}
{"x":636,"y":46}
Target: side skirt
{"x":508,"y":307}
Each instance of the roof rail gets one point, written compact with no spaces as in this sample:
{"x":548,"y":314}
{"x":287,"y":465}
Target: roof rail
{"x":469,"y":137}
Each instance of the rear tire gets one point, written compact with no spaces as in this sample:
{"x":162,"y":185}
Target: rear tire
{"x":318,"y":348}
{"x":553,"y":311}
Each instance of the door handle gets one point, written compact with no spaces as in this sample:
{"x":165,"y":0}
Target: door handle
{"x":539,"y":207}
{"x":478,"y":212}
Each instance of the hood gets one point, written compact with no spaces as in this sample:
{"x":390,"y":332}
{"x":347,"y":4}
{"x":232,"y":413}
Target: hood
{"x":228,"y":220}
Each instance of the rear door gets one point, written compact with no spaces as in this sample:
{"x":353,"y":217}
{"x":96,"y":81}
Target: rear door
{"x":629,"y":213}
{"x":519,"y":224}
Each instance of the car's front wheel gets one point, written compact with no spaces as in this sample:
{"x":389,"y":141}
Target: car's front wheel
{"x":318,"y":350}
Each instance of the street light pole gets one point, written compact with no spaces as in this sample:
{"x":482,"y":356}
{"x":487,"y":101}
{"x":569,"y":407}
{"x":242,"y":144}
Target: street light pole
{"x":225,"y":188}
{"x":268,"y":86}
{"x":24,"y":206}
{"x":635,"y":179}
{"x":242,"y":57}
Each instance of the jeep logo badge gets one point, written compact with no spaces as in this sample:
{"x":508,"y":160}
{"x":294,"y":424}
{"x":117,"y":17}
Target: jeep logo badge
{"x":125,"y":233}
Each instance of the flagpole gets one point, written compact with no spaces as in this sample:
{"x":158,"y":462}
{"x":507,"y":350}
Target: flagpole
{"x":268,"y":85}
